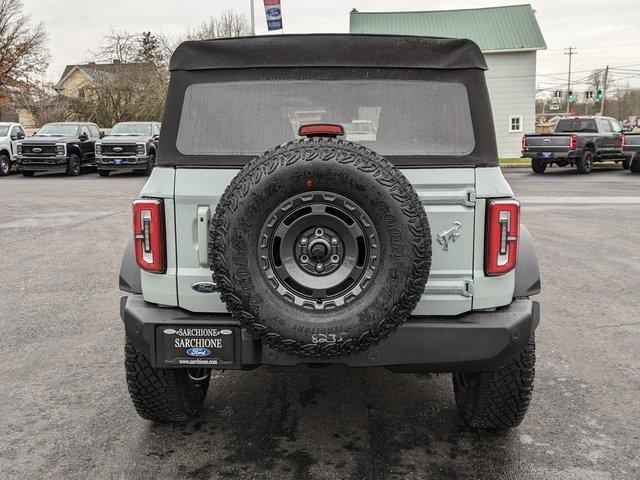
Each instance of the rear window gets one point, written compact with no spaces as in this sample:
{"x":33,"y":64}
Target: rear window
{"x":392,"y":117}
{"x":567,"y":125}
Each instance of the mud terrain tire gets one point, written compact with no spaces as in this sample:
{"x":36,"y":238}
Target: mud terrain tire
{"x":499,"y":399}
{"x":320,"y":175}
{"x":162,"y":395}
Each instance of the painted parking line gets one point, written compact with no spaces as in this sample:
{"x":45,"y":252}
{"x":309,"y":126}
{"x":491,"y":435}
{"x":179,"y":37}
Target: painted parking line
{"x":579,"y":200}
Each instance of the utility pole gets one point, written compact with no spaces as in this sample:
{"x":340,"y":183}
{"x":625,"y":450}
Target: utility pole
{"x":571,"y":52}
{"x":253,"y":18}
{"x":604,"y":90}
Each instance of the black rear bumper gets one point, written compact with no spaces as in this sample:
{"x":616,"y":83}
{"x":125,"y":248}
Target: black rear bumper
{"x":475,"y":341}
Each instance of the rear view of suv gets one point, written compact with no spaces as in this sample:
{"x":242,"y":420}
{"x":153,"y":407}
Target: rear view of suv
{"x":338,"y":202}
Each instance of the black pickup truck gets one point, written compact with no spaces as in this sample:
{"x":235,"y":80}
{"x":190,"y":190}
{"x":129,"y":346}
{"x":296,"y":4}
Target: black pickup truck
{"x":631,"y":150}
{"x":59,"y":147}
{"x":130,"y":146}
{"x":578,"y":141}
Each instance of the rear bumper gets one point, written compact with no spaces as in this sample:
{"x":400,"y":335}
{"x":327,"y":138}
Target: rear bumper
{"x":476,"y":341}
{"x":551,"y":156}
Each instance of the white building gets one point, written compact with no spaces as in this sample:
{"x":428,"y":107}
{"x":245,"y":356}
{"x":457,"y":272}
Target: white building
{"x":509,"y":38}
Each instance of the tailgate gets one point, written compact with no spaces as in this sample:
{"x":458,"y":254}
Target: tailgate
{"x":547,"y":142}
{"x":632,"y":142}
{"x":448,"y":196}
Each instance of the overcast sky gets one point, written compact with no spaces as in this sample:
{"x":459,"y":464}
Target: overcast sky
{"x":604,"y":32}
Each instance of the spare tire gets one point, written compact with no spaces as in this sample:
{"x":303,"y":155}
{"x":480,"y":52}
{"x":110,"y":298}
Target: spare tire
{"x":320,"y":248}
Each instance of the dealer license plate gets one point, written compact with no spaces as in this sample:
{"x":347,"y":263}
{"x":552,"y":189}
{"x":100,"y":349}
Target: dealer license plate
{"x":196,"y":346}
{"x":546,"y":154}
{"x":117,"y":161}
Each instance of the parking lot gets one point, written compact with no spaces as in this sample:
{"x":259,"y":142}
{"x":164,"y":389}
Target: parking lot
{"x":65,"y":411}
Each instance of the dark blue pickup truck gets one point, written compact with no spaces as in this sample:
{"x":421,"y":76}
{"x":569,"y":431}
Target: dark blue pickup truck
{"x":579,"y":141}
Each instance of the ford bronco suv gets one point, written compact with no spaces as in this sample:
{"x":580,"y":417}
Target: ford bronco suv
{"x":329,"y":199}
{"x":129,"y":147}
{"x":59,"y":147}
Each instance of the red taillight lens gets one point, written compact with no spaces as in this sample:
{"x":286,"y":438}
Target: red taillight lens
{"x":148,"y":234}
{"x":524,"y":143}
{"x":321,"y":130}
{"x":574,"y":142}
{"x":503,"y":230}
{"x":622,"y":140}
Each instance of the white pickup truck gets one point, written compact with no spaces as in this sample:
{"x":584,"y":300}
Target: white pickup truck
{"x":10,"y":135}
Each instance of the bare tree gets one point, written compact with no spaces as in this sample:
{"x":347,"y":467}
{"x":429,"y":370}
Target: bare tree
{"x":23,"y":52}
{"x":118,"y":45}
{"x":229,"y":24}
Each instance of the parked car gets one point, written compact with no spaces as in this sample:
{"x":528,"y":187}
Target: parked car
{"x":10,"y":135}
{"x":631,"y":149}
{"x":579,"y":141}
{"x":267,"y":236}
{"x":59,"y":147}
{"x":130,"y":146}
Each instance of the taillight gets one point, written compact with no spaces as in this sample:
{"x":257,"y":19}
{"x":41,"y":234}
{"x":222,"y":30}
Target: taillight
{"x":524,"y":144}
{"x":573,"y":142}
{"x":503,"y":229}
{"x":148,"y":233}
{"x":622,"y":140}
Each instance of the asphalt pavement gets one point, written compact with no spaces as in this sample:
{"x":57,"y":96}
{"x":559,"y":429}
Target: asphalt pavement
{"x":65,"y":410}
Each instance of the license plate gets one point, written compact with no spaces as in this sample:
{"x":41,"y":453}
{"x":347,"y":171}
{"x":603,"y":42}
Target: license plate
{"x":196,"y":346}
{"x":117,"y":161}
{"x":546,"y":154}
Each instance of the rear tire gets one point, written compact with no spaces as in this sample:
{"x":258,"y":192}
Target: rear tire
{"x":73,"y":165}
{"x":585,"y":163}
{"x":5,"y":165}
{"x":28,"y":173}
{"x":497,"y":399}
{"x":635,"y":164}
{"x":538,"y":167}
{"x":162,"y":395}
{"x":104,"y":173}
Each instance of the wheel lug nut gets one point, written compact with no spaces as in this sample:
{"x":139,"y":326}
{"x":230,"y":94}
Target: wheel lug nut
{"x":319,"y":267}
{"x":319,"y":232}
{"x":304,"y":259}
{"x":335,"y":241}
{"x":303,"y":241}
{"x":335,"y":258}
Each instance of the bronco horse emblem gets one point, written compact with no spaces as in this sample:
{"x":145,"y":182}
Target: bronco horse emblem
{"x":449,"y":235}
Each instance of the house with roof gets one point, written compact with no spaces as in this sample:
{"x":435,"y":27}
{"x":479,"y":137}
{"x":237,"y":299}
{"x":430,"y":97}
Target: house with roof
{"x":509,"y":37}
{"x":76,"y":79}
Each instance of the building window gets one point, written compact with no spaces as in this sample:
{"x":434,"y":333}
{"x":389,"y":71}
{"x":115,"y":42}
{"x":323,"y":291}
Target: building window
{"x":515,"y":123}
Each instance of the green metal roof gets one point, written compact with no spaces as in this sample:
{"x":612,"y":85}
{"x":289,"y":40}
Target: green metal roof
{"x":511,"y":27}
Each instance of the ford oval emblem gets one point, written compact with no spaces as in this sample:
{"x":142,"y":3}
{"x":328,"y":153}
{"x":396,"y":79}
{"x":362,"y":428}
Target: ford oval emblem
{"x":225,"y":331}
{"x":273,"y":12}
{"x":205,"y":287}
{"x":117,"y":149}
{"x":198,"y":352}
{"x":37,"y":150}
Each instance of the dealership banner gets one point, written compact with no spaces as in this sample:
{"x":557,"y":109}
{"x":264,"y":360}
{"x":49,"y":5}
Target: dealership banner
{"x":274,"y":14}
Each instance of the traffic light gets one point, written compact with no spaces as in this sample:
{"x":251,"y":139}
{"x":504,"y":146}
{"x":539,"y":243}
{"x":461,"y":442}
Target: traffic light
{"x":570,"y":96}
{"x":599,"y":94}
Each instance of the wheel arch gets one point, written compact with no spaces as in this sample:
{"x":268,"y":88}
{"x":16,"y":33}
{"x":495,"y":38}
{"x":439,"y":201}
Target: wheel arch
{"x":527,"y":282}
{"x":130,"y":277}
{"x":74,"y":149}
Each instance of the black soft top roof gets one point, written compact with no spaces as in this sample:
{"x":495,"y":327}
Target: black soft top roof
{"x":329,"y":50}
